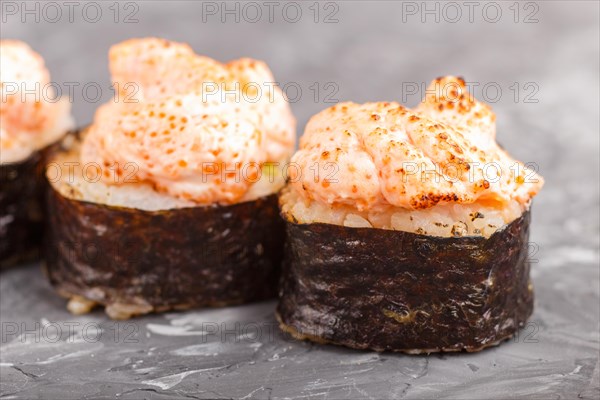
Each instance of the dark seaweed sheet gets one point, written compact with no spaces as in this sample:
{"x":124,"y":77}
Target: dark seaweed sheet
{"x":20,"y":211}
{"x":156,"y":261}
{"x":399,"y":291}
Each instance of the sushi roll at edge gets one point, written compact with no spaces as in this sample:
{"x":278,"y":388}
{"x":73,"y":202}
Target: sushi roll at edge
{"x":170,"y":202}
{"x":29,"y":124}
{"x":382,"y":257}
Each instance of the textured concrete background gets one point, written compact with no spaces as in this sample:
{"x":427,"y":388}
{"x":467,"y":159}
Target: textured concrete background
{"x":375,"y":51}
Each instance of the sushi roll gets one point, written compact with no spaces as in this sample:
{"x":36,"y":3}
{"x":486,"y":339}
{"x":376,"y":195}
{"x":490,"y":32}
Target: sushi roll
{"x":407,"y":229}
{"x":168,"y":200}
{"x":31,"y":119}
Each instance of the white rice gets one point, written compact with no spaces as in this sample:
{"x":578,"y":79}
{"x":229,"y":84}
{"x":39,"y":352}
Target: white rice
{"x":66,"y":175}
{"x":447,"y":220}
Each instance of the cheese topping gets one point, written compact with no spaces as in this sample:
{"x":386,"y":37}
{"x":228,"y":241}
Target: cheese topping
{"x":31,"y":117}
{"x":194,"y":128}
{"x":383,"y":154}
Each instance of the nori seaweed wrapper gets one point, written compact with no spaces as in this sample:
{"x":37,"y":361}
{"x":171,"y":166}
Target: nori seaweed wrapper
{"x":135,"y":261}
{"x":398,"y":291}
{"x":21,"y":218}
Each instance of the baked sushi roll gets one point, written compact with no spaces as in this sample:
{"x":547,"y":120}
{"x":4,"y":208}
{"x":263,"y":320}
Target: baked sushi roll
{"x":169,"y":201}
{"x":407,"y":229}
{"x":31,"y":119}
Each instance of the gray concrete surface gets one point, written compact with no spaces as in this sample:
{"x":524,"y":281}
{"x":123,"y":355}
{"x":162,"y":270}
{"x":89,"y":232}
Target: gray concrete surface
{"x":375,"y":51}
